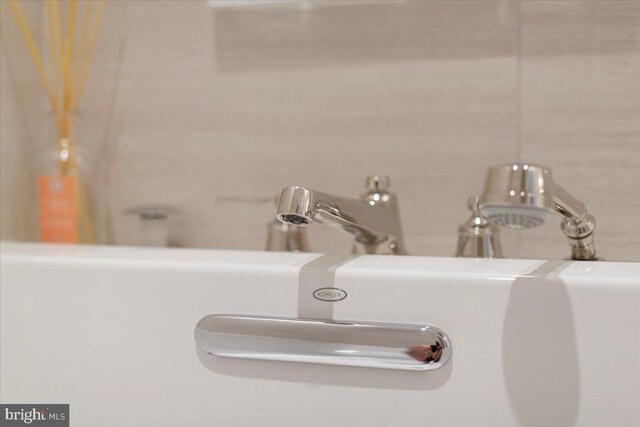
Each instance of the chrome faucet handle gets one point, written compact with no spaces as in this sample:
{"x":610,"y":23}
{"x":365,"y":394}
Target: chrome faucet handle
{"x":477,"y":237}
{"x":377,"y":190}
{"x":378,"y":182}
{"x":473,"y":203}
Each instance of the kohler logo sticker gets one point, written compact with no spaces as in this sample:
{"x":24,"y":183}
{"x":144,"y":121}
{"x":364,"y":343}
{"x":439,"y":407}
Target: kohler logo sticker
{"x":329,"y":294}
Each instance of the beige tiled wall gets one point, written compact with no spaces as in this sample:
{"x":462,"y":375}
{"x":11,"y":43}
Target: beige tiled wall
{"x":193,"y":104}
{"x":581,"y":114}
{"x":20,"y":113}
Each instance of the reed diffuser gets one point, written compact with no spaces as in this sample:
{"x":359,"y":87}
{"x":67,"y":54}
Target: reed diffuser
{"x":64,"y":209}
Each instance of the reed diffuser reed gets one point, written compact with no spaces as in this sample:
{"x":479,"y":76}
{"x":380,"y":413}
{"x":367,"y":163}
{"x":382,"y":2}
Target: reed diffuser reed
{"x":64,"y":211}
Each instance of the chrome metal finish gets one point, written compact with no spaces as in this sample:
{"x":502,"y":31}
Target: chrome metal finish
{"x":373,"y":220}
{"x":282,"y":237}
{"x":524,"y":196}
{"x":365,"y":344}
{"x":477,"y":237}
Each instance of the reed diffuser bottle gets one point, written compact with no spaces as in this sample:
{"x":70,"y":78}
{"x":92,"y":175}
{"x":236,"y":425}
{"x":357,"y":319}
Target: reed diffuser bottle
{"x":64,"y":186}
{"x":65,"y":182}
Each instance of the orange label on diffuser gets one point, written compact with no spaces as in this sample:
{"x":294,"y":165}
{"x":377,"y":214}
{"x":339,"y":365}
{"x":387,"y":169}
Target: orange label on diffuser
{"x":57,"y":208}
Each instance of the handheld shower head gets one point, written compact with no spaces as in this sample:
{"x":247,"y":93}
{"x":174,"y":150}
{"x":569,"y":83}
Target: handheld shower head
{"x":518,"y":196}
{"x":516,"y":218}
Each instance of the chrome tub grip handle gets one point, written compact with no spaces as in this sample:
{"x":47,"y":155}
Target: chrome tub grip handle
{"x":350,"y":343}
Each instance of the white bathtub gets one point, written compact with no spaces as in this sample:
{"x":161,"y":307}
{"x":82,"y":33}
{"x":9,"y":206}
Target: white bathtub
{"x":109,"y":330}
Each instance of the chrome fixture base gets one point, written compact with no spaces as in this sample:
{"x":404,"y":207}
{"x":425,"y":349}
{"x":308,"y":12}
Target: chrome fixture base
{"x":477,"y":237}
{"x":364,"y":344}
{"x":373,"y":220}
{"x":523,"y":196}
